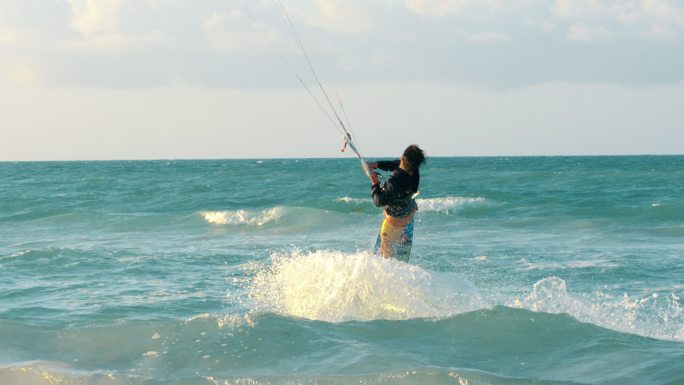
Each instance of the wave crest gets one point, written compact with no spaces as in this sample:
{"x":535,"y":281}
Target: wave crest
{"x":654,"y":315}
{"x":443,"y":205}
{"x":243,"y":217}
{"x":357,"y":201}
{"x":447,"y":204}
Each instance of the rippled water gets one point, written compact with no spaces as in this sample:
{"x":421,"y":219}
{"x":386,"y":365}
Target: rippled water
{"x":543,"y":270}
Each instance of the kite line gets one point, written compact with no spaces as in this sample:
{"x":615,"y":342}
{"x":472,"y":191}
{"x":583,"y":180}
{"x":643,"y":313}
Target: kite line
{"x":331,"y":113}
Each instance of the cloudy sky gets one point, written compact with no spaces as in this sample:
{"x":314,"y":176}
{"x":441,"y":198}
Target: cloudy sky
{"x":151,"y":79}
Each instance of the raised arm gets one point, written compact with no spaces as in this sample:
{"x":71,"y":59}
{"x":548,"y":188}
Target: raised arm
{"x":384,"y":165}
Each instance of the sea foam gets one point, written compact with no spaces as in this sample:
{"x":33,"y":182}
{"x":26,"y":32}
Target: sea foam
{"x":243,"y":217}
{"x":443,"y":204}
{"x":448,"y":204}
{"x":652,"y":315}
{"x":334,"y":286}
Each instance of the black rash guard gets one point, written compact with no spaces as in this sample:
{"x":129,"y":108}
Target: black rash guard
{"x":397,"y":192}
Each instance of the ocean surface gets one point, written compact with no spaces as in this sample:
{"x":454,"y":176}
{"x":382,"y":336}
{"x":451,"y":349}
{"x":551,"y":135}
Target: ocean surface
{"x":524,"y":270}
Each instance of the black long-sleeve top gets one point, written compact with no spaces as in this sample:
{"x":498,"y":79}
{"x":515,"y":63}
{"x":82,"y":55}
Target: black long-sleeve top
{"x":397,"y":192}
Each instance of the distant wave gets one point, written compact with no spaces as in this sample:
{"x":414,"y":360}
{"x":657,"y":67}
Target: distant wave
{"x":244,"y":217}
{"x":442,"y":205}
{"x":447,"y":204}
{"x":357,"y":201}
{"x":334,"y":286}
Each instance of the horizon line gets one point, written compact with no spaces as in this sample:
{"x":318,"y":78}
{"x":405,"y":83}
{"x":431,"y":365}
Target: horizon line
{"x":336,"y":158}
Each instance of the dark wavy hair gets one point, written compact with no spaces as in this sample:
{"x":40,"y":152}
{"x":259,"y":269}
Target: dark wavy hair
{"x":413,"y":157}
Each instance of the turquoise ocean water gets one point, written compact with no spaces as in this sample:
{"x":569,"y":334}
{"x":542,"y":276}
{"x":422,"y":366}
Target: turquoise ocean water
{"x":539,"y":270}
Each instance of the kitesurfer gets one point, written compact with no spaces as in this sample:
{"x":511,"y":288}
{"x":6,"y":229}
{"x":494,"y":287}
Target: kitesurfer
{"x":397,"y":195}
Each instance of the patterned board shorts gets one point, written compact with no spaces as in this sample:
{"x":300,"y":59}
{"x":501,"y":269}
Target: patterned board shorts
{"x":395,"y":238}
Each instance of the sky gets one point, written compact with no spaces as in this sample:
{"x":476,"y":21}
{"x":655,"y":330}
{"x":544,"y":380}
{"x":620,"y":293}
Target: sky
{"x":182,"y":79}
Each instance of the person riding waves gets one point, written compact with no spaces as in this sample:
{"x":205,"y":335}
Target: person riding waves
{"x":397,"y":195}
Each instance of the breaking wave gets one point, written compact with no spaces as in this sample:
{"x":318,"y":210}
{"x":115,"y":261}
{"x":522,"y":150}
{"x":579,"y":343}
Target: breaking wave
{"x":244,"y":217}
{"x":334,"y":286}
{"x":448,"y":204}
{"x":444,"y":205}
{"x":654,"y":315}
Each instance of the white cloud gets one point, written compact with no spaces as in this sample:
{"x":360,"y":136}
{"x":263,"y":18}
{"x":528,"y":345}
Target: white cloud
{"x":627,"y":11}
{"x":20,"y":71}
{"x":657,"y":31}
{"x":95,"y":17}
{"x":234,"y":31}
{"x":103,"y":25}
{"x":577,"y":8}
{"x":583,"y":33}
{"x":7,"y":37}
{"x":95,"y":42}
{"x":113,"y":42}
{"x":437,"y":8}
{"x":489,"y":37}
{"x":348,"y":17}
{"x":115,"y":63}
{"x":659,"y":19}
{"x":663,"y":10}
{"x":16,"y":32}
{"x":652,"y":19}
